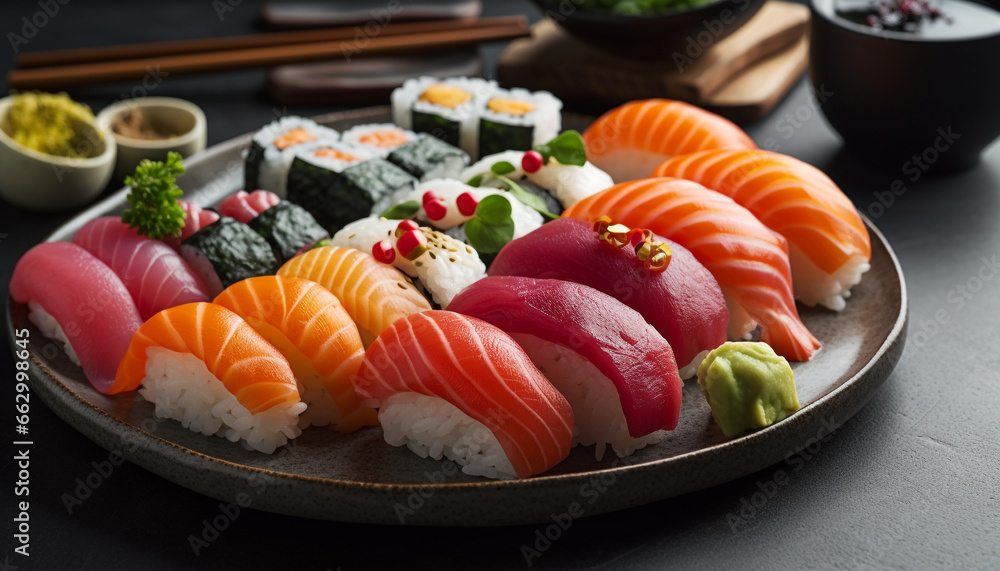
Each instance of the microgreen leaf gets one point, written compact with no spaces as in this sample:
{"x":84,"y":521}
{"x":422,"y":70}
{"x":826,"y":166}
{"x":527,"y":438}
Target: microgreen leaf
{"x":475,"y":181}
{"x":567,"y":148}
{"x":492,"y":227}
{"x":530,"y":200}
{"x":153,"y":208}
{"x":502,"y":167}
{"x":401,"y":211}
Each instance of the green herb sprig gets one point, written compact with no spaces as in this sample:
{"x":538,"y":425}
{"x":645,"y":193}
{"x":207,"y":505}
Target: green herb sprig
{"x":567,"y":148}
{"x":498,"y":171}
{"x":153,"y":208}
{"x":401,"y":211}
{"x":492,"y":226}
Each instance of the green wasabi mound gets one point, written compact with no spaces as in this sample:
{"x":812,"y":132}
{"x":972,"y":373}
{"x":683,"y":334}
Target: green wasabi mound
{"x":748,"y":386}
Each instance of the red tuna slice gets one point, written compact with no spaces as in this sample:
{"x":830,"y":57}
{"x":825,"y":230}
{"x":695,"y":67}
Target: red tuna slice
{"x":684,"y":302}
{"x":601,"y":329}
{"x":88,"y":301}
{"x":156,"y":276}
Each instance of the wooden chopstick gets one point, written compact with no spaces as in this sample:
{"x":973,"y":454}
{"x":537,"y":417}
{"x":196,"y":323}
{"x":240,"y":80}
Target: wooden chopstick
{"x":29,"y":60}
{"x":65,"y":76}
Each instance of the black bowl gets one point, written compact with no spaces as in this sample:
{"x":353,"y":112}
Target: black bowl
{"x":685,"y":33}
{"x":906,"y":100}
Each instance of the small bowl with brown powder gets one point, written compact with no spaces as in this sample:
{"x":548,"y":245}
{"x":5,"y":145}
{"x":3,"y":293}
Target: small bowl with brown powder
{"x":150,"y":127}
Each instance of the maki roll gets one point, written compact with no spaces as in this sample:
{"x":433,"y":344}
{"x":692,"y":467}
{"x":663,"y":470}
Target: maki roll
{"x":518,"y":120}
{"x":445,"y":108}
{"x":339,"y":184}
{"x":428,"y":158}
{"x":272,"y":149}
{"x":286,"y":226}
{"x":378,"y":139}
{"x":226,"y":252}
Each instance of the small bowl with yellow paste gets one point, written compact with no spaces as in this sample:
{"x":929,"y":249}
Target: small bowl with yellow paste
{"x":151,"y":127}
{"x":53,"y":155}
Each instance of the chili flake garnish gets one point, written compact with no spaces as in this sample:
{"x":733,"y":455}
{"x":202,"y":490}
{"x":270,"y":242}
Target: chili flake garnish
{"x":655,"y":256}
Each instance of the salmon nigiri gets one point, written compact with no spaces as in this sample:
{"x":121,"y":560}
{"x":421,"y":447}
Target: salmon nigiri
{"x":749,"y":261}
{"x":631,"y":140}
{"x":307,"y":323}
{"x":452,"y":385}
{"x":156,"y":276}
{"x":201,"y":364}
{"x":374,"y":294}
{"x":828,"y":244}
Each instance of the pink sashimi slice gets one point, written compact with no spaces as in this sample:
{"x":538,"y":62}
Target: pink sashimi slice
{"x":88,"y":301}
{"x":195,"y":218}
{"x":156,"y":276}
{"x":606,"y":332}
{"x":245,"y":206}
{"x":684,"y":302}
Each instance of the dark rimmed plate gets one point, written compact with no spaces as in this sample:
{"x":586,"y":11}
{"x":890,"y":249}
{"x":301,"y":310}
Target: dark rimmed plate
{"x":359,"y":478}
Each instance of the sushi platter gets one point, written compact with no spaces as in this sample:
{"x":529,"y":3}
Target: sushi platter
{"x":358,"y":477}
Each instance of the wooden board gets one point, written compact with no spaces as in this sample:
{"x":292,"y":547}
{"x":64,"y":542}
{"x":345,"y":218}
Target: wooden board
{"x":742,"y":76}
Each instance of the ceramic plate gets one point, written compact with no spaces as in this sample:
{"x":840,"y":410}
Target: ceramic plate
{"x":359,"y":478}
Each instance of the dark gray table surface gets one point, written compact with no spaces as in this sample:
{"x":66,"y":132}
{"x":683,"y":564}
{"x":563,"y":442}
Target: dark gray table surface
{"x":911,"y":481}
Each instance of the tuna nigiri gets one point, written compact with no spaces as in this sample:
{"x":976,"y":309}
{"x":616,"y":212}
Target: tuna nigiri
{"x":616,"y":371}
{"x":156,"y":276}
{"x":75,"y":298}
{"x":307,"y":323}
{"x":749,"y":260}
{"x":828,"y":244}
{"x":447,"y":384}
{"x":204,"y":366}
{"x":374,"y":294}
{"x":630,"y":141}
{"x":683,"y":302}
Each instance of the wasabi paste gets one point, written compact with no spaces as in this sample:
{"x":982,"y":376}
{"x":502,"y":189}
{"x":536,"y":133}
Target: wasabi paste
{"x":50,"y":123}
{"x":748,"y":387}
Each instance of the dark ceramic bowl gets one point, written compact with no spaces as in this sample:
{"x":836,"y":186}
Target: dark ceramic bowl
{"x":656,"y":36}
{"x":906,"y":100}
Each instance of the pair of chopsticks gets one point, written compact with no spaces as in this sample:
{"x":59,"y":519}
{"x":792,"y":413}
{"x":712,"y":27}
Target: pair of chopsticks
{"x":61,"y":69}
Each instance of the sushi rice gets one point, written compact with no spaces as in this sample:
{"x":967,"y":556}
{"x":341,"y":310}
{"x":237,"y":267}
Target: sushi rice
{"x":181,"y":387}
{"x":445,"y":269}
{"x":378,"y":139}
{"x":51,"y":329}
{"x":567,"y":183}
{"x":433,"y":427}
{"x":525,"y":219}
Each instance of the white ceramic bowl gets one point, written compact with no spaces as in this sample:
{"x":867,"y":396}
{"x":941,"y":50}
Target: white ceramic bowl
{"x":39,"y":181}
{"x":167,"y":114}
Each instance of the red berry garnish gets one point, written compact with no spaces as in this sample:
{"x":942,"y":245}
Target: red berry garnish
{"x":384,"y":252}
{"x":635,"y":236}
{"x":467,"y":203}
{"x":435,"y":209}
{"x":430,"y":196}
{"x":532,"y":161}
{"x":405,"y":226}
{"x":411,"y":244}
